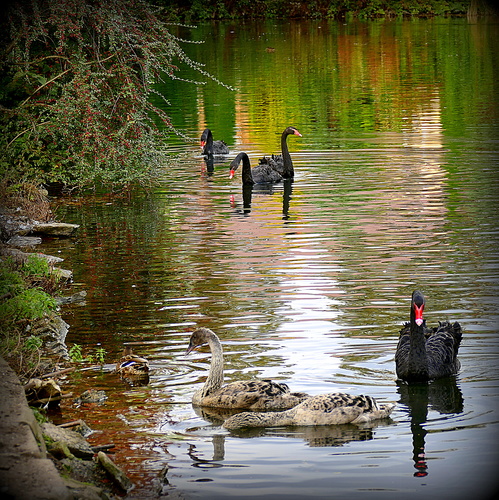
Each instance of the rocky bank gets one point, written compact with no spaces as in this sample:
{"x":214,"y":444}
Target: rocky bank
{"x":41,"y":460}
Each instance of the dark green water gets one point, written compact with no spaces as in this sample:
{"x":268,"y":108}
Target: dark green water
{"x":396,"y":188}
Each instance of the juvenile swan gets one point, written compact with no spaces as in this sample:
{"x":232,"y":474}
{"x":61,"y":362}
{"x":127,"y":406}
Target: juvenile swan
{"x":252,"y":395}
{"x":325,"y":409}
{"x":426,"y":353}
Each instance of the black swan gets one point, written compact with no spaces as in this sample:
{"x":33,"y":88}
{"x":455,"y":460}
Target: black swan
{"x":211,"y":147}
{"x":261,"y":174}
{"x":282,"y":163}
{"x":325,"y":409}
{"x":251,"y":395}
{"x":426,"y":353}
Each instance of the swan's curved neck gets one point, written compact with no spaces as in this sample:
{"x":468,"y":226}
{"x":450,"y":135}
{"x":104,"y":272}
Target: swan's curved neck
{"x":288,"y":170}
{"x":208,"y":147}
{"x":216,"y":375}
{"x":247,"y":177}
{"x":418,"y":358}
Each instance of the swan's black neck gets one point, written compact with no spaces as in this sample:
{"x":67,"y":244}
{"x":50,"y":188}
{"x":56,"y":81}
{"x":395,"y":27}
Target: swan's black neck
{"x":246,"y":175}
{"x":208,"y":147}
{"x":418,"y":358}
{"x":288,"y":171}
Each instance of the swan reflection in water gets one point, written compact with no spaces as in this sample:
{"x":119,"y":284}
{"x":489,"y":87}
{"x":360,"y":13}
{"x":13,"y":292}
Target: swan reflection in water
{"x":443,"y":396}
{"x":315,"y":436}
{"x":266,"y":189}
{"x":210,"y":162}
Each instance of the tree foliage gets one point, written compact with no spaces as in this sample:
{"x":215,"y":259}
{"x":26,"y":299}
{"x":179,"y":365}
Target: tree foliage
{"x":75,"y":79}
{"x":315,"y":9}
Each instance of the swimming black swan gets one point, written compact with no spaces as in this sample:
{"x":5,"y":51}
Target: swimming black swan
{"x":251,"y":395}
{"x":211,"y":147}
{"x":282,"y":163}
{"x":261,"y":174}
{"x":426,"y":353}
{"x":325,"y":409}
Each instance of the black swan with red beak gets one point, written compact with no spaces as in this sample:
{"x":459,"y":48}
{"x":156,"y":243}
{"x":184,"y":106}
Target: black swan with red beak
{"x":425,"y":353}
{"x":211,"y":147}
{"x":261,"y":174}
{"x":282,"y":163}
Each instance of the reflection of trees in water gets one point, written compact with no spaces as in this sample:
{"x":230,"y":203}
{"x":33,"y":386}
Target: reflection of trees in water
{"x":443,"y":396}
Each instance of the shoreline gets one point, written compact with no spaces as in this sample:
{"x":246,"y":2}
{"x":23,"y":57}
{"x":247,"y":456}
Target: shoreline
{"x":40,"y":460}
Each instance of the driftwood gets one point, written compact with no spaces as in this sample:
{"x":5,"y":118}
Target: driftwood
{"x":103,"y":447}
{"x":59,"y":372}
{"x":117,"y":475}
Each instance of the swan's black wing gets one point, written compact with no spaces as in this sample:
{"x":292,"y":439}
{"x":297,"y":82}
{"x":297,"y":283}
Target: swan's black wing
{"x":220,"y":148}
{"x":442,"y":347}
{"x":265,"y":174}
{"x":275,"y":162}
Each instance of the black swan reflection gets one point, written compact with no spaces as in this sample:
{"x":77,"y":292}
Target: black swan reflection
{"x":426,"y":353}
{"x":442,"y":395}
{"x":282,"y":163}
{"x":265,"y":189}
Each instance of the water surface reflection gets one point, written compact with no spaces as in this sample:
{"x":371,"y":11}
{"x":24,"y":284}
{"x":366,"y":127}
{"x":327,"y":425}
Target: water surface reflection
{"x":396,"y":188}
{"x":443,"y":396}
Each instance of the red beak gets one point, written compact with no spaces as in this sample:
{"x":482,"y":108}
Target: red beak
{"x":231,"y":174}
{"x":203,"y":144}
{"x":418,"y":312}
{"x":297,"y":133}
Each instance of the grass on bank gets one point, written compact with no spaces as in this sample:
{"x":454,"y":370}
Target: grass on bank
{"x":26,"y":299}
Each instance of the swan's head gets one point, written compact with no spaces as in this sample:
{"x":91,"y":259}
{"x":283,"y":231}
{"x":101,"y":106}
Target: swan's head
{"x":292,"y":131}
{"x":417,"y":304}
{"x":199,"y":337}
{"x":235,"y":163}
{"x":204,"y":137}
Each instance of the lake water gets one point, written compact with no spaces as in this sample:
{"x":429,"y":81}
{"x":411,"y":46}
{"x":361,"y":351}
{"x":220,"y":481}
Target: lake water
{"x":396,"y":188}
